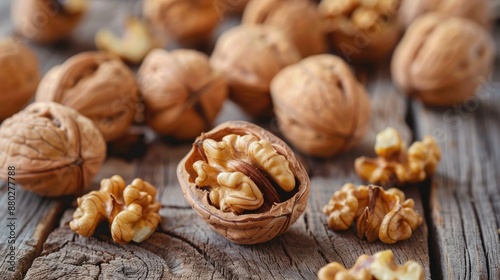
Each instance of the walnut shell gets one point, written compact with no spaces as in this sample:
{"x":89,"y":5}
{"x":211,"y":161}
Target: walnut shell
{"x":99,"y":86}
{"x":298,"y":19}
{"x":320,"y":106}
{"x":248,"y":228}
{"x":19,"y":76}
{"x":250,"y":56}
{"x":182,"y":94}
{"x":443,"y":60}
{"x":55,"y":150}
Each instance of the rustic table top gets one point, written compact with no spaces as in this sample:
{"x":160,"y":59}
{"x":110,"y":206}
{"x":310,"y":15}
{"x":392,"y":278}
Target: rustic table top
{"x":461,"y":205}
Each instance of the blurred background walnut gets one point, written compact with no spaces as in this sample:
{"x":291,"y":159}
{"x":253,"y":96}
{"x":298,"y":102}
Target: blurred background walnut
{"x":250,"y":56}
{"x":56,"y":150}
{"x":99,"y":86}
{"x":47,"y":21}
{"x":321,"y":108}
{"x":19,"y":76}
{"x":298,"y":19}
{"x":181,"y":91}
{"x":443,"y":61}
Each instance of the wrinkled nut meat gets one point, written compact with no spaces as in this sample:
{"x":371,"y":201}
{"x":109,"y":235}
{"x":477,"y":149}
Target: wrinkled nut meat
{"x":379,"y":266}
{"x":361,"y":30}
{"x":131,"y":211}
{"x":244,"y":182}
{"x":181,"y":91}
{"x":99,"y":86}
{"x":298,"y":19}
{"x":396,"y":163}
{"x":56,"y":151}
{"x":47,"y":21}
{"x":379,"y":214}
{"x":320,"y":106}
{"x":19,"y":76}
{"x":443,"y":76}
{"x":250,"y":56}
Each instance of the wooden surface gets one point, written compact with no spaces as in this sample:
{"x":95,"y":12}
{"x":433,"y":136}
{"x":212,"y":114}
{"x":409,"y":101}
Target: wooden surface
{"x":461,"y":205}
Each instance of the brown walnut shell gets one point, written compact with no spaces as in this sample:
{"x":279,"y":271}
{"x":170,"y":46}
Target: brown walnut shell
{"x":55,"y":150}
{"x":443,"y":60}
{"x":248,"y":228}
{"x":320,"y":106}
{"x":99,"y":86}
{"x":19,"y":76}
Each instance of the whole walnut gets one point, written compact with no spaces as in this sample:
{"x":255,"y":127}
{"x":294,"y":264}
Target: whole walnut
{"x":19,"y":76}
{"x":443,"y":60}
{"x":250,"y":57}
{"x":181,"y":91}
{"x":320,"y":106}
{"x":99,"y":86}
{"x":188,"y":21}
{"x":298,"y":19}
{"x":47,"y":21}
{"x":55,"y":151}
{"x":361,"y":30}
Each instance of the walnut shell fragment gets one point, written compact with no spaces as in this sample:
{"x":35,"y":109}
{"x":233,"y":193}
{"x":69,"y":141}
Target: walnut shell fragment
{"x":99,"y":86}
{"x":56,"y":151}
{"x":131,"y":211}
{"x":284,"y":199}
{"x":181,"y":91}
{"x":379,"y":214}
{"x":438,"y":75}
{"x":379,"y":266}
{"x":396,"y":163}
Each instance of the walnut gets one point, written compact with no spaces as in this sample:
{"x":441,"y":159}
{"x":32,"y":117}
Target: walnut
{"x":181,"y":91}
{"x":379,"y":266}
{"x":298,"y":19}
{"x":250,"y":56}
{"x":379,"y":214}
{"x":99,"y":86}
{"x":361,"y":30}
{"x":47,"y":21}
{"x":396,"y":163}
{"x":19,"y":76}
{"x":320,"y":106}
{"x":440,"y":76}
{"x":244,"y":182}
{"x":56,"y":151}
{"x":131,"y":211}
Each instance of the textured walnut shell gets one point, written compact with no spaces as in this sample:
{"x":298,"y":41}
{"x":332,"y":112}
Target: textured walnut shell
{"x":320,"y":106}
{"x":442,"y":60}
{"x":56,"y":151}
{"x":45,"y":21}
{"x":298,"y":19}
{"x":250,"y":56}
{"x":99,"y":86}
{"x":19,"y":76}
{"x":249,"y":228}
{"x":182,"y":94}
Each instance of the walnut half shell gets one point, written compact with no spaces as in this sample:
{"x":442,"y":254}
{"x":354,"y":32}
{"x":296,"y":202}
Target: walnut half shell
{"x":266,"y":222}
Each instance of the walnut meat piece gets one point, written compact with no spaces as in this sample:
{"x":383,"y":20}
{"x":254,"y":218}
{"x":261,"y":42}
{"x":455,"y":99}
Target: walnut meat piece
{"x":244,"y":182}
{"x":131,"y":211}
{"x":250,"y":56}
{"x":181,"y":91}
{"x":379,"y":214}
{"x":99,"y":86}
{"x":19,"y":76}
{"x":437,"y":75}
{"x":298,"y":19}
{"x":379,"y":266}
{"x":396,"y":163}
{"x":320,"y":106}
{"x":56,"y":151}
